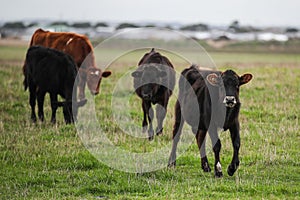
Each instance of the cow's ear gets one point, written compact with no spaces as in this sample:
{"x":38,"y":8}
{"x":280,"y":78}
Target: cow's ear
{"x":162,"y":73}
{"x":136,"y":74}
{"x":106,"y":74}
{"x":81,"y":70}
{"x":245,"y":79}
{"x":213,"y":79}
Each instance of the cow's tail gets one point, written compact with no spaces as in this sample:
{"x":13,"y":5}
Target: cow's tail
{"x":25,"y":82}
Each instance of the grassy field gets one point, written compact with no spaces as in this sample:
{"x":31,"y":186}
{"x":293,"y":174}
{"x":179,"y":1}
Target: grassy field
{"x":46,"y":161}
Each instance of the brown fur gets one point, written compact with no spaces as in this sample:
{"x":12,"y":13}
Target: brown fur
{"x":80,"y":49}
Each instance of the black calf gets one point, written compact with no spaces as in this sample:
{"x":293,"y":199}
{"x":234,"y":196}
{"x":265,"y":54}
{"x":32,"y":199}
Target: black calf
{"x":217,"y":94}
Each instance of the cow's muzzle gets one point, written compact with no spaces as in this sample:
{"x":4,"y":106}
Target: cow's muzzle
{"x":79,"y":103}
{"x":229,"y":101}
{"x":94,"y":92}
{"x":146,"y":96}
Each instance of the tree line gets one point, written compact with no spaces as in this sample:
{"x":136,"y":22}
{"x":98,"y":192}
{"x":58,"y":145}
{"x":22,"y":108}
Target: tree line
{"x":234,"y":26}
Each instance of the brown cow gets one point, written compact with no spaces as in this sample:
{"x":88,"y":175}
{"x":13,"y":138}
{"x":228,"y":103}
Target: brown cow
{"x":80,"y":48}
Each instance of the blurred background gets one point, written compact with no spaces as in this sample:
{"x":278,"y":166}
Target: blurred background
{"x":215,"y":24}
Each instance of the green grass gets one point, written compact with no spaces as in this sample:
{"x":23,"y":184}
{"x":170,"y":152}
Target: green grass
{"x":12,"y":53}
{"x":46,"y":161}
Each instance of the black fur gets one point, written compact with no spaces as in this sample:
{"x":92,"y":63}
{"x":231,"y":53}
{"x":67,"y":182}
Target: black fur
{"x":154,"y":81}
{"x":50,"y":71}
{"x":209,"y":112}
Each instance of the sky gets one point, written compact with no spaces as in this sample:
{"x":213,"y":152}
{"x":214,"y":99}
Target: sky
{"x":214,"y":12}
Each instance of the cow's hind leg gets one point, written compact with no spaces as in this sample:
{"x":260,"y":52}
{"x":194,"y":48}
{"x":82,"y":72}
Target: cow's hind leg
{"x":177,"y":130}
{"x":201,"y":142}
{"x":40,"y":100}
{"x":32,"y":102}
{"x":67,"y":110}
{"x":54,"y":106}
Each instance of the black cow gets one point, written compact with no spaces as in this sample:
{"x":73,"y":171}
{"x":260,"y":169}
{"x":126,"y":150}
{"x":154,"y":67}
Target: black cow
{"x":217,"y":95}
{"x":154,"y":81}
{"x":52,"y":71}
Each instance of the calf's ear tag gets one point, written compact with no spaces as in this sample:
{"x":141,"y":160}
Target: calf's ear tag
{"x":213,"y":79}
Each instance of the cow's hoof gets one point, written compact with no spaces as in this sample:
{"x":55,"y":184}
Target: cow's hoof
{"x":144,"y":129}
{"x":33,"y":119}
{"x":150,"y":134}
{"x":205,"y":167}
{"x":172,"y":165}
{"x":150,"y":138}
{"x":81,"y":102}
{"x":159,"y":131}
{"x":204,"y":164}
{"x":231,"y":169}
{"x":218,"y":174}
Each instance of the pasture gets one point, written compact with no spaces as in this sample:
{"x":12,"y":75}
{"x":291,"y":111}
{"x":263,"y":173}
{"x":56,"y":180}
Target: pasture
{"x":45,"y":161}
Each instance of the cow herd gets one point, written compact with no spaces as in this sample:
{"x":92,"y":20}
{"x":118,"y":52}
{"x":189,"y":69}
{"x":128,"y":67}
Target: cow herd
{"x":207,"y":100}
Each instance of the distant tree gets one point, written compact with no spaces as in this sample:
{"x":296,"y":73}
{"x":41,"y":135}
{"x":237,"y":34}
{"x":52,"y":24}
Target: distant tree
{"x":222,"y":38}
{"x":291,"y":30}
{"x":14,"y":25}
{"x":237,"y":28}
{"x":59,"y":23}
{"x":149,"y":26}
{"x":169,"y":27}
{"x":101,"y":24}
{"x":126,"y":25}
{"x":235,"y":24}
{"x":195,"y":27}
{"x":32,"y":24}
{"x":81,"y":25}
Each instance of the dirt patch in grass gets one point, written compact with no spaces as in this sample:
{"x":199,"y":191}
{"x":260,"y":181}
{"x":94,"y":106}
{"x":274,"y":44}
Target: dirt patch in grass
{"x":13,"y":42}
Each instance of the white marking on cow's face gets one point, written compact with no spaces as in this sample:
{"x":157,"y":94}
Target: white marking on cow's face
{"x":219,"y":167}
{"x":97,"y":73}
{"x":69,"y":41}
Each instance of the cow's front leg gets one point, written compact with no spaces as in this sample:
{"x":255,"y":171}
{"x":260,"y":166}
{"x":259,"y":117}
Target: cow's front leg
{"x":67,"y":110}
{"x":201,"y":141}
{"x":216,"y":144}
{"x":161,"y":110}
{"x":235,"y":138}
{"x":54,"y":106}
{"x":148,"y":114}
{"x":144,"y":123}
{"x":81,"y":84}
